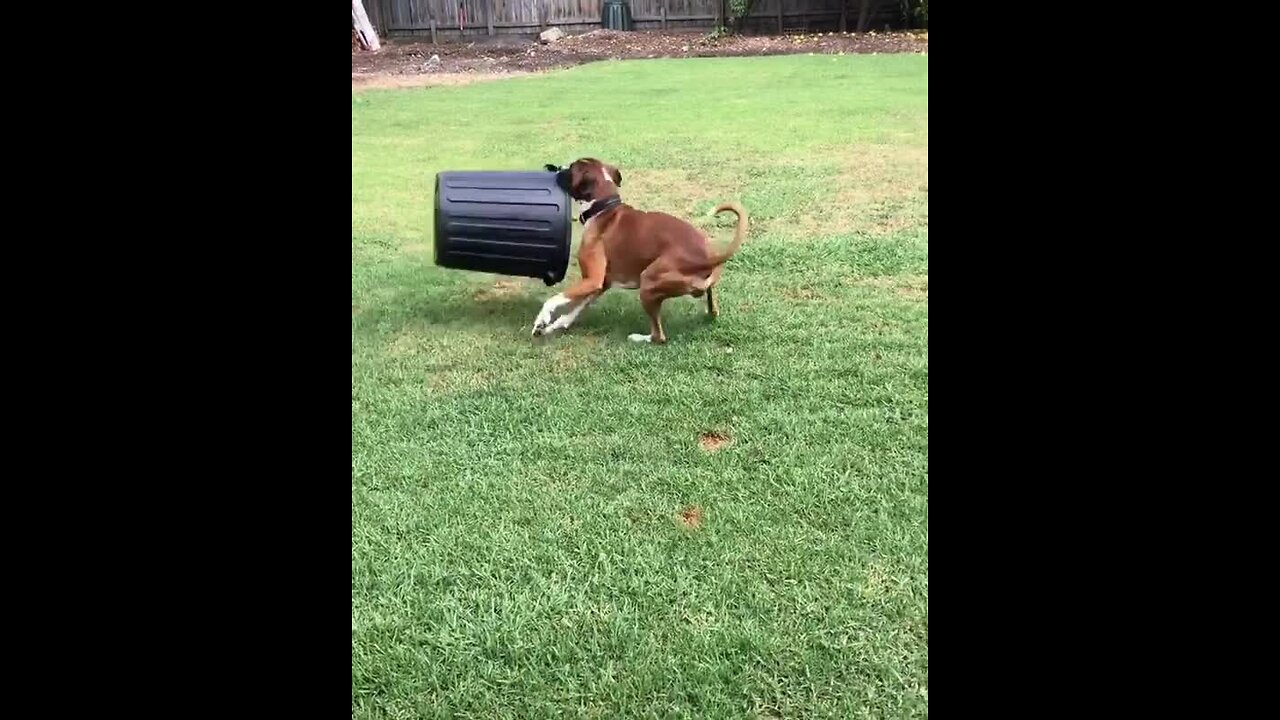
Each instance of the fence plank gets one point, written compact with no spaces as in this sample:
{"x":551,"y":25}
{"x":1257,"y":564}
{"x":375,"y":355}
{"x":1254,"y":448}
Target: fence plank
{"x":452,"y":18}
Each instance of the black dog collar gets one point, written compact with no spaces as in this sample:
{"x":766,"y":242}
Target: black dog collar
{"x":598,"y":207}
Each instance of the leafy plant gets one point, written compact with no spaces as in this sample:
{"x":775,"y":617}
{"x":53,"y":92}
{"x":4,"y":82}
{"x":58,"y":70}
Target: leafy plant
{"x":739,"y":11}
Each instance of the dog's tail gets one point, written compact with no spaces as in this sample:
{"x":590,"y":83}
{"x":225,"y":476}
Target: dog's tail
{"x":739,"y":234}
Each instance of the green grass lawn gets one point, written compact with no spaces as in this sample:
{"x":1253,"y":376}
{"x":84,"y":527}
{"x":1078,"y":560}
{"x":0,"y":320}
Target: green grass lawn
{"x":536,"y":528}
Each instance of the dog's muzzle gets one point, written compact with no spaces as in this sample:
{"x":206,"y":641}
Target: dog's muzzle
{"x":563,"y":176}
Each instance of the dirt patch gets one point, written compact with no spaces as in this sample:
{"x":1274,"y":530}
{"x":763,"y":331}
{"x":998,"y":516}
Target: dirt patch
{"x":500,"y":289}
{"x":677,"y":192}
{"x":355,"y":310}
{"x":575,"y":351}
{"x":445,"y":382}
{"x":443,"y":362}
{"x":803,"y":294}
{"x":879,"y":580}
{"x":879,"y":189}
{"x":383,"y":82}
{"x":403,"y":345}
{"x":915,"y":290}
{"x":690,"y":517}
{"x":712,"y":441}
{"x":566,"y":359}
{"x":911,"y":287}
{"x":491,"y":59}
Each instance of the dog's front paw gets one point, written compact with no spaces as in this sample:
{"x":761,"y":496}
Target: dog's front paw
{"x":640,"y":337}
{"x":562,"y":323}
{"x":542,"y":324}
{"x":545,"y":316}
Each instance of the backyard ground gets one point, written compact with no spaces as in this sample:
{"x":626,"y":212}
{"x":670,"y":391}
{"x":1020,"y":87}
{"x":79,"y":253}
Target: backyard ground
{"x":407,"y":63}
{"x":734,"y":525}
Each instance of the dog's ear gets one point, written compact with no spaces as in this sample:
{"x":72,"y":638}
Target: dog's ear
{"x":616,"y":174}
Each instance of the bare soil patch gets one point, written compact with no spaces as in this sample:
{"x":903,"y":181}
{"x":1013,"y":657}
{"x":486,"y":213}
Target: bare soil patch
{"x":690,"y":517}
{"x":421,"y":64}
{"x":713,"y":441}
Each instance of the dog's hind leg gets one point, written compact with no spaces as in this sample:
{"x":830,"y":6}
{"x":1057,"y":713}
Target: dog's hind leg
{"x":652,"y":303}
{"x":657,"y":283}
{"x":713,"y":307}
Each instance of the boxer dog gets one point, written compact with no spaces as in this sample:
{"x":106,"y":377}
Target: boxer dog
{"x":660,"y":255}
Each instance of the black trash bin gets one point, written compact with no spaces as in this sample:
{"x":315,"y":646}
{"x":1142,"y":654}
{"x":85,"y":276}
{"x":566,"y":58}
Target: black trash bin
{"x":509,"y":223}
{"x":615,"y":15}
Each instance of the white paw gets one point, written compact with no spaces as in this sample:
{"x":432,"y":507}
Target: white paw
{"x":541,"y":322}
{"x":640,"y":337}
{"x":553,"y":303}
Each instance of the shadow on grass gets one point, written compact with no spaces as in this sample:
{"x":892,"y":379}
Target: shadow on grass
{"x":452,"y":310}
{"x":615,"y":316}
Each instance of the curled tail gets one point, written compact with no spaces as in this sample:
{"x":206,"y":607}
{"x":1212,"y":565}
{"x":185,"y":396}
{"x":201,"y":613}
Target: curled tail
{"x":739,"y":234}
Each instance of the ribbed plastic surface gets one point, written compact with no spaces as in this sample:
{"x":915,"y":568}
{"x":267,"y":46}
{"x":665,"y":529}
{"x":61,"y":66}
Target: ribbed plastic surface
{"x":615,"y":15}
{"x":510,"y":223}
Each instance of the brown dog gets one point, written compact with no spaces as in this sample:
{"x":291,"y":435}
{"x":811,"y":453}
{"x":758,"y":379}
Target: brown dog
{"x":661,"y":255}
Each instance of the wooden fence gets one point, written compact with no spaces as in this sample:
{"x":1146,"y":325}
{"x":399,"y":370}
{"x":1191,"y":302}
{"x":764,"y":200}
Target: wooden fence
{"x":459,"y":18}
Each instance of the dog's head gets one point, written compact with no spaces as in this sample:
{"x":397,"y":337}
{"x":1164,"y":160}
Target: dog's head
{"x":588,"y":179}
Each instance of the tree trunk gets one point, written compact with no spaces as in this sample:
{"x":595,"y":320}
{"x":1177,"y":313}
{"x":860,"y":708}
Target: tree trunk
{"x":364,"y":30}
